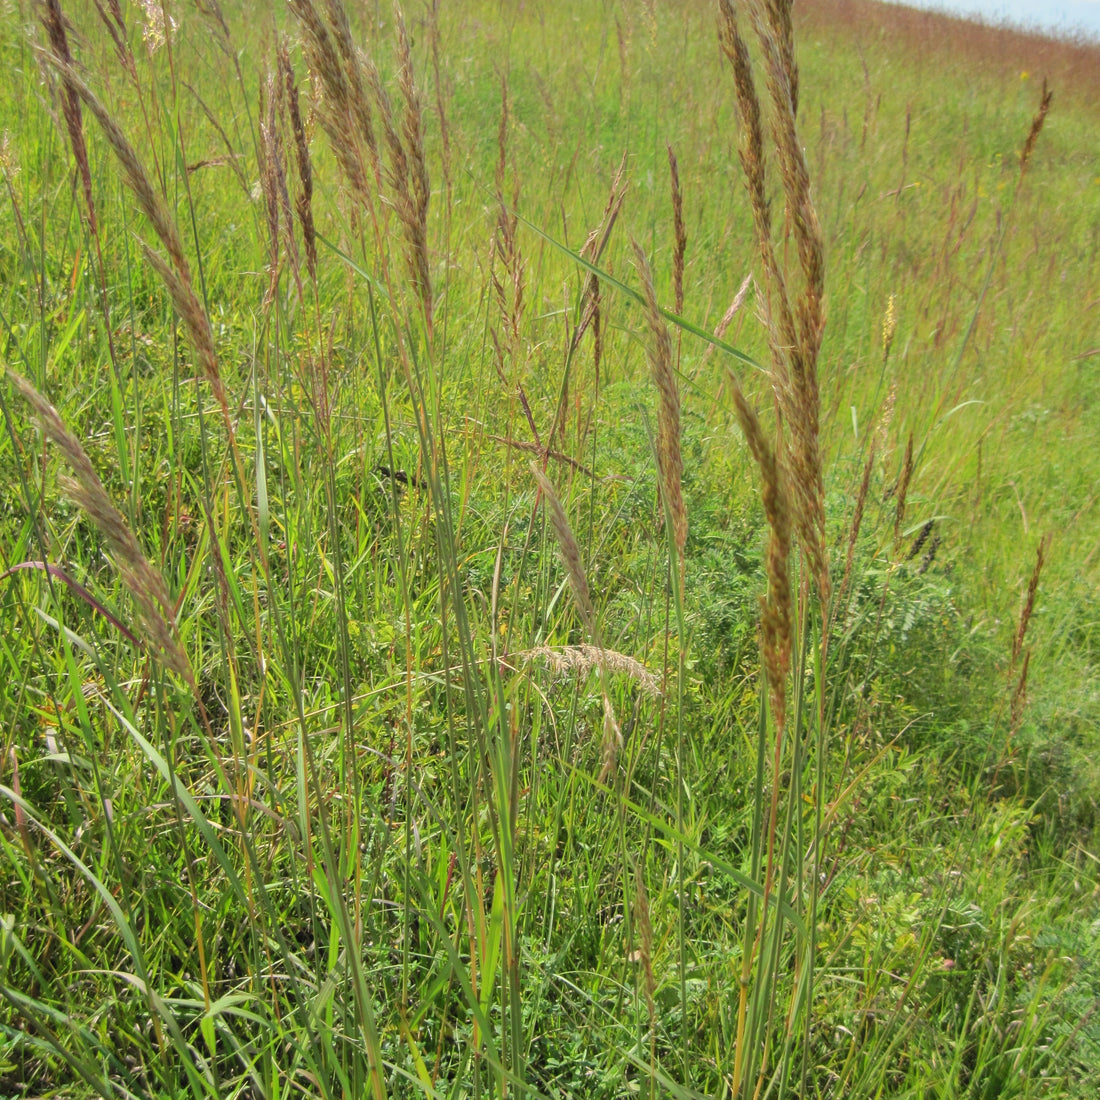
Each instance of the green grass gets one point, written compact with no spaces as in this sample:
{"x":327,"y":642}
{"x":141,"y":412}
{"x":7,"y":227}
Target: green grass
{"x":370,"y":852}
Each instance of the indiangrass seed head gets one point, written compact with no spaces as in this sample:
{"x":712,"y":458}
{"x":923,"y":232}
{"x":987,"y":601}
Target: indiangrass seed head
{"x":303,"y":204}
{"x":612,"y":739}
{"x":355,"y":98}
{"x":344,"y":111}
{"x":857,"y":519}
{"x":723,"y":325}
{"x":1029,"y":601}
{"x":777,"y":616}
{"x":440,"y":110}
{"x":506,"y":266}
{"x":594,"y":245}
{"x":267,"y":150}
{"x":176,"y":274}
{"x":669,"y":460}
{"x":1036,"y":127}
{"x":569,"y":548}
{"x":794,"y":332}
{"x":194,"y":318}
{"x":680,"y":231}
{"x":407,"y":173}
{"x":781,"y":329}
{"x":146,"y":585}
{"x":282,"y":191}
{"x":112,"y":19}
{"x":903,"y":490}
{"x":415,"y":217}
{"x":54,"y":23}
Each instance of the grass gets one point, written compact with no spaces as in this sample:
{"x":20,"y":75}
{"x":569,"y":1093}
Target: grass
{"x":436,"y":664}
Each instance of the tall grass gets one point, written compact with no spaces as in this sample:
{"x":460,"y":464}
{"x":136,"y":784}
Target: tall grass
{"x":453,"y":647}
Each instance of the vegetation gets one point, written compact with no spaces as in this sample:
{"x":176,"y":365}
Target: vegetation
{"x":547,"y":550}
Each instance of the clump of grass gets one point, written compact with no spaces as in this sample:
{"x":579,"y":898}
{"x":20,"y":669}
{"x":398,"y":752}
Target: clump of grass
{"x":423,"y":854}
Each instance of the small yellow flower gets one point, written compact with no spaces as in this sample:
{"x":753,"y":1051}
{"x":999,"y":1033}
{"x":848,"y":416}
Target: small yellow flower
{"x":1024,"y":75}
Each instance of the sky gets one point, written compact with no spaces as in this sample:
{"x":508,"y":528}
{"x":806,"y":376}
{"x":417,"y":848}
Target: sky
{"x":1083,"y":15}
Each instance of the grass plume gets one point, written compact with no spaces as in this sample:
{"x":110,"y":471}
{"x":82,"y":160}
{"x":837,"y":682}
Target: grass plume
{"x":155,"y":612}
{"x":669,"y":459}
{"x":795,"y":326}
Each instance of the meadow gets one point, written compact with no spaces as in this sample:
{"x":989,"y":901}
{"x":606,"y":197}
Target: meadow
{"x":547,"y":550}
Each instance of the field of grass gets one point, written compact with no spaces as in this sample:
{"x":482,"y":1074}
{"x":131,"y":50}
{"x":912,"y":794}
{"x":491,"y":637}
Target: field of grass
{"x":467,"y":629}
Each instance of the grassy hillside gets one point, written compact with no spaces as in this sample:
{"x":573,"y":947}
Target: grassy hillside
{"x":468,"y":629}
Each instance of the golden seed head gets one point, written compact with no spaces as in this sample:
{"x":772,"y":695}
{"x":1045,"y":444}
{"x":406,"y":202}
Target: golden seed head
{"x":889,"y":326}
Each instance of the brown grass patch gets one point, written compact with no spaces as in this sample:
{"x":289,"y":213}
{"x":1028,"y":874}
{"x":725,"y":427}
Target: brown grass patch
{"x":1070,"y":65}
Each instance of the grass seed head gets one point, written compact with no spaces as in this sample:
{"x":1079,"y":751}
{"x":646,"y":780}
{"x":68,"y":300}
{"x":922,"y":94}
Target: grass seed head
{"x":1046,"y":97}
{"x":644,"y":926}
{"x":669,"y":461}
{"x":585,"y":659}
{"x":415,"y":217}
{"x":268,"y":187}
{"x":612,"y":740}
{"x":889,"y":326}
{"x":53,"y":21}
{"x":1029,"y":599}
{"x":344,"y":110}
{"x":146,"y":585}
{"x":777,"y":613}
{"x":679,"y":230}
{"x":569,"y":548}
{"x":903,"y":490}
{"x":857,"y":519}
{"x":303,"y":204}
{"x":794,"y":331}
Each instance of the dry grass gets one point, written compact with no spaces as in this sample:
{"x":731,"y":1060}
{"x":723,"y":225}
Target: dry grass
{"x":1071,"y":67}
{"x":584,"y":659}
